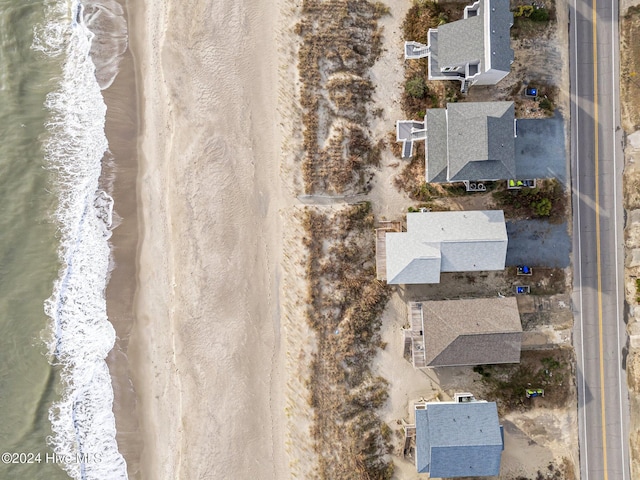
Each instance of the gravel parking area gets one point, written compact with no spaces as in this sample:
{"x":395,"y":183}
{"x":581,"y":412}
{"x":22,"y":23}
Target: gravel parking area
{"x":538,"y":243}
{"x":540,"y":151}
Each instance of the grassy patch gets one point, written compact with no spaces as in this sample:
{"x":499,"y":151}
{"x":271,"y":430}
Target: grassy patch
{"x":345,"y":303}
{"x":531,"y":21}
{"x":547,"y":200}
{"x":422,"y":16}
{"x":419,"y":93}
{"x":550,"y":370}
{"x":411,"y":179}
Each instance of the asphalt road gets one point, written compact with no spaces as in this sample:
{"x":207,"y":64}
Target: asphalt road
{"x":597,"y":162}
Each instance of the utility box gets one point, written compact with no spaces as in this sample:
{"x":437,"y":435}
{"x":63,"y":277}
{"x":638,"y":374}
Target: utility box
{"x":524,"y":270}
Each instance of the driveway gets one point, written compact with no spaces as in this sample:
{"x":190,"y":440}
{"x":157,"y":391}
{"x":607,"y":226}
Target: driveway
{"x":540,"y":150}
{"x":538,"y":243}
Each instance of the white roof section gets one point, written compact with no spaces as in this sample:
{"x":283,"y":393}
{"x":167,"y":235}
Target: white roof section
{"x":413,"y":261}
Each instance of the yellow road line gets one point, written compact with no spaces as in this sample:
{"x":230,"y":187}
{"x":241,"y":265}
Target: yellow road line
{"x":599,"y":267}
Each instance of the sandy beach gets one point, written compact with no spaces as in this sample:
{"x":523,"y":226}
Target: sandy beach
{"x":204,"y":352}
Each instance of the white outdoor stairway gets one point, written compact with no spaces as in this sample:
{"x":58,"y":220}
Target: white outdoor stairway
{"x":415,"y":50}
{"x":408,"y":131}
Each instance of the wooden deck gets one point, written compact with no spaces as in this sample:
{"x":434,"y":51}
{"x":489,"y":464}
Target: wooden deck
{"x":409,"y":441}
{"x":417,"y":335}
{"x":381,"y":246}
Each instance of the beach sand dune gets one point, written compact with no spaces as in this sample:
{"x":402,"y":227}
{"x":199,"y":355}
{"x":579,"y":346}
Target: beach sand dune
{"x":205,"y":348}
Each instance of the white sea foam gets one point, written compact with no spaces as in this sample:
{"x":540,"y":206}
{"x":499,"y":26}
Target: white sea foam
{"x":81,"y":335}
{"x":106,"y":20}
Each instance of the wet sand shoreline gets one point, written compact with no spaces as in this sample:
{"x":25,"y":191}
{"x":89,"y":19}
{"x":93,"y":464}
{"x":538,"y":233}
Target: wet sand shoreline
{"x":121,"y":169}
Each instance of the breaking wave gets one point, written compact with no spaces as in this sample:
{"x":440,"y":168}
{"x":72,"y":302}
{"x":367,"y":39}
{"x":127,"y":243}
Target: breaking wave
{"x":81,"y":336}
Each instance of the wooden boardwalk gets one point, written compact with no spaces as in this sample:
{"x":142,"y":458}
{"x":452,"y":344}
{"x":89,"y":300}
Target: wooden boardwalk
{"x":409,"y":441}
{"x":381,"y":246}
{"x":416,"y":334}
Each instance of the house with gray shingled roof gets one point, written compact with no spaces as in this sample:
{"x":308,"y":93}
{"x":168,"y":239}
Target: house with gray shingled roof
{"x":458,"y":439}
{"x":478,"y":331}
{"x":437,"y":242}
{"x":474,"y":50}
{"x":470,"y":141}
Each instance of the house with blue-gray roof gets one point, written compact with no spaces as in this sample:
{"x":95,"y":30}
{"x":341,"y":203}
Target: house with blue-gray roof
{"x":458,"y":439}
{"x":474,"y":50}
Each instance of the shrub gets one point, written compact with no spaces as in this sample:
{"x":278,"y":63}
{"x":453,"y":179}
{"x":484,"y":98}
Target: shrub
{"x":424,"y":192}
{"x":523,"y":11}
{"x":539,"y":15}
{"x":381,"y":9}
{"x":529,"y":11}
{"x":542,"y":208}
{"x":547,"y":105}
{"x":416,"y":87}
{"x":480,"y":369}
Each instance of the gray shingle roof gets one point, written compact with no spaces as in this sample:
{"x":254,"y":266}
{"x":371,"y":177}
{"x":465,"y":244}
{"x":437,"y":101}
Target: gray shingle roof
{"x":480,"y":141}
{"x":434,"y":57}
{"x":436,"y":123}
{"x":458,"y":440}
{"x":445,"y":241}
{"x":479,"y":331}
{"x":461,"y":42}
{"x":501,"y":21}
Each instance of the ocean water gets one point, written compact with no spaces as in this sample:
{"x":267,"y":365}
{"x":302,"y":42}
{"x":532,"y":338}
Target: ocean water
{"x":56,"y":397}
